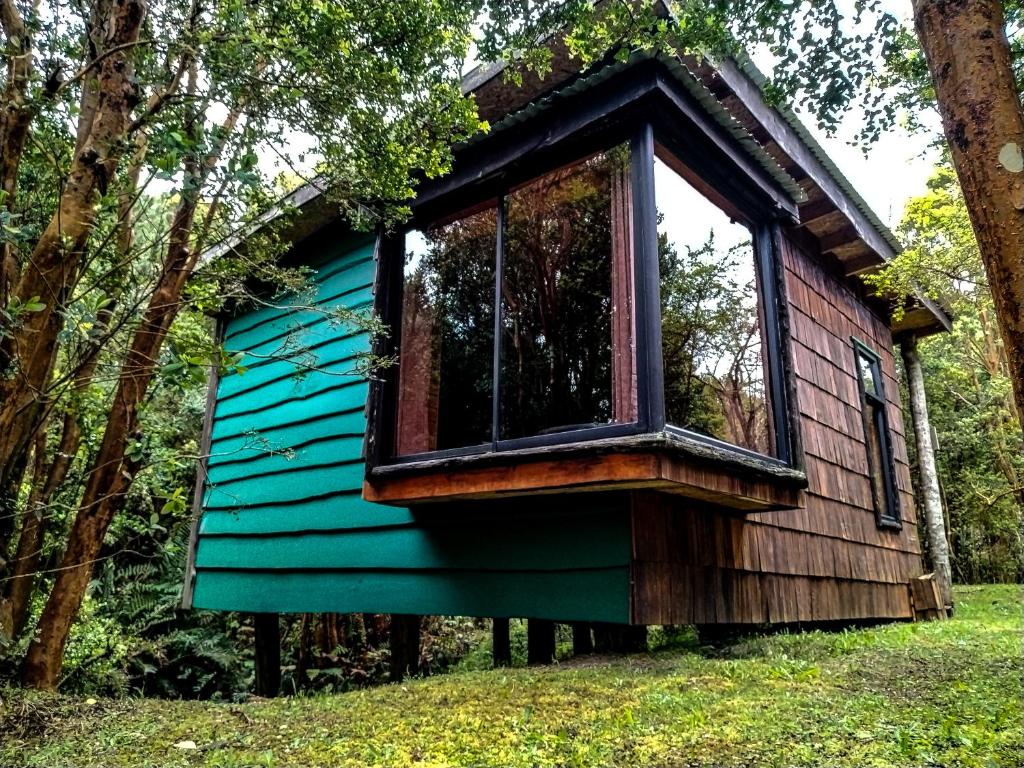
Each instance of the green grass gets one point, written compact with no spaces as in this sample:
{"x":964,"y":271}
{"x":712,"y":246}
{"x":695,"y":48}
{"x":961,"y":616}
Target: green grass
{"x":931,"y":694}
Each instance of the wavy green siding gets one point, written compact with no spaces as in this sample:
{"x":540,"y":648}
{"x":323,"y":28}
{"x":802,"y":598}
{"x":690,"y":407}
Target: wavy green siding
{"x":284,"y":527}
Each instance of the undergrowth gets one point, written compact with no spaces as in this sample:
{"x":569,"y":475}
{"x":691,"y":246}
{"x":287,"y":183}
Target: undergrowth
{"x":930,"y":694}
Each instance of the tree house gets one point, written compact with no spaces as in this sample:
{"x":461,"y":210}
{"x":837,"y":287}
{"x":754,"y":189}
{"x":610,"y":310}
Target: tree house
{"x":638,"y":380}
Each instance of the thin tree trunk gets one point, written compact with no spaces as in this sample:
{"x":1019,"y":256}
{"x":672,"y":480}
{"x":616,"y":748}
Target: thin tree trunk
{"x":18,"y":590}
{"x":31,"y":346}
{"x":112,"y":472}
{"x":938,"y":544}
{"x":969,"y":59}
{"x":302,"y":655}
{"x":13,"y":602}
{"x":15,"y":120}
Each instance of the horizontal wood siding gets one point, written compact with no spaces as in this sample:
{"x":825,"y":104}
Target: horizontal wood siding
{"x":826,"y":561}
{"x":284,"y":526}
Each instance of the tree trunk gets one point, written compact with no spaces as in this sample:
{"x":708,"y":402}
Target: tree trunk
{"x":268,"y":654}
{"x":969,"y":60}
{"x":501,"y":643}
{"x":938,"y":544}
{"x":17,"y":592}
{"x":112,"y":473}
{"x":31,"y":346}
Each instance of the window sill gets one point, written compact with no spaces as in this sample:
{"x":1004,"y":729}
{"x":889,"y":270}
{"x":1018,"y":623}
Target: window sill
{"x":664,"y":461}
{"x":887,"y":524}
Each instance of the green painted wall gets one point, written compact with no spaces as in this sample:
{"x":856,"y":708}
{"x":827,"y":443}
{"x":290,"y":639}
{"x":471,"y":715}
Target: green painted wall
{"x":284,"y":527}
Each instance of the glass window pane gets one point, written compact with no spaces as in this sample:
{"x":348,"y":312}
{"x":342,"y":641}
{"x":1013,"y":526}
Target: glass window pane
{"x":712,"y":342}
{"x":447,"y":340}
{"x":567,"y":358}
{"x":877,"y":458}
{"x":867,"y":373}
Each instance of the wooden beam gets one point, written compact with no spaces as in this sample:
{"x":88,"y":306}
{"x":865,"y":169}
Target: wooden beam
{"x":268,"y":654}
{"x":582,"y":639}
{"x":501,"y":643}
{"x":212,"y":382}
{"x":620,"y":638}
{"x":722,"y":485}
{"x":404,"y":638}
{"x":793,"y":145}
{"x":540,"y":641}
{"x":815,"y":211}
{"x":862,"y":263}
{"x":839,"y":238}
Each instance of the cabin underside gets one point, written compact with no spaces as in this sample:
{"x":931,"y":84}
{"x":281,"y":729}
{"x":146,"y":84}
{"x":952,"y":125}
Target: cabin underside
{"x":639,"y":557}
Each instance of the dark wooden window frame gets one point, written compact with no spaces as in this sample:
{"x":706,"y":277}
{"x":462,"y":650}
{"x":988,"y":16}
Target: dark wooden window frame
{"x":874,"y":406}
{"x":641,"y":107}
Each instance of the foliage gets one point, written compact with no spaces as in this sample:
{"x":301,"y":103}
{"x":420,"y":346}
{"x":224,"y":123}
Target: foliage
{"x":711,"y":342}
{"x":370,"y":95}
{"x":940,"y":693}
{"x":905,"y":73}
{"x":980,"y":448}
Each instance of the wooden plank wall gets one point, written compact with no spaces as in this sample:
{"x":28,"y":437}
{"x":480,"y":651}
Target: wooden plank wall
{"x":827,"y":561}
{"x":284,"y":526}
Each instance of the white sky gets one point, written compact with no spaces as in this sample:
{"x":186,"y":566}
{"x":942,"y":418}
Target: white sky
{"x":896,"y":167}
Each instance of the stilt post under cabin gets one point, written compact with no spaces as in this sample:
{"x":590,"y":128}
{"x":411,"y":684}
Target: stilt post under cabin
{"x":582,"y":640}
{"x":268,"y":654}
{"x":935,"y":521}
{"x":619,"y":638}
{"x":501,"y":643}
{"x":405,"y":646}
{"x":540,"y":641}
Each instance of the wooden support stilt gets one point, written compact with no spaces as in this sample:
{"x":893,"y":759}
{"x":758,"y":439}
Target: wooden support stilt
{"x":405,"y":646}
{"x":268,"y":654}
{"x":582,"y":640}
{"x":540,"y":641}
{"x":620,"y":638}
{"x":501,"y":643}
{"x":634,"y":639}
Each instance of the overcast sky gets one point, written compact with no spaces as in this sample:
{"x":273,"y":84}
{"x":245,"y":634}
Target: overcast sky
{"x":895,"y":168}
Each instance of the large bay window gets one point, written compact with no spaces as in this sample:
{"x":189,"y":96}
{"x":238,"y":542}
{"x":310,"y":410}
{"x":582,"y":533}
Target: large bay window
{"x":712,"y":339}
{"x":619,"y":295}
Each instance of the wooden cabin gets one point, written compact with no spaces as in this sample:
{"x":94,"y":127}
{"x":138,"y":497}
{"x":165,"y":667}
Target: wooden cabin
{"x":638,"y":379}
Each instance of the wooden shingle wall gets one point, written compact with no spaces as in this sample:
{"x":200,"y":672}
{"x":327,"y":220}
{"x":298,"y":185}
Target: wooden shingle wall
{"x":826,"y":561}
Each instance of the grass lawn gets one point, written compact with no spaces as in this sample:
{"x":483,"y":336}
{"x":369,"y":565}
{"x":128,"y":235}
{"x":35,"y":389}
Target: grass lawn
{"x":932,"y":694}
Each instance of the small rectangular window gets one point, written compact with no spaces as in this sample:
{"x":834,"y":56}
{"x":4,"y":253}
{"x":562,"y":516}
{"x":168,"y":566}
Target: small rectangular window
{"x":876,"y":436}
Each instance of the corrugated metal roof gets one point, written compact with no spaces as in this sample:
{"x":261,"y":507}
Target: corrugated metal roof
{"x":747,"y":66}
{"x":693,"y":86}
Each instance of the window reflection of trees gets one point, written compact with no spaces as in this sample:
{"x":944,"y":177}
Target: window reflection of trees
{"x":557,"y":300}
{"x":711,"y":341}
{"x":567,"y":358}
{"x":446,"y":359}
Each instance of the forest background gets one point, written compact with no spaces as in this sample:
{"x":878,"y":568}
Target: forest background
{"x":196,"y":100}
